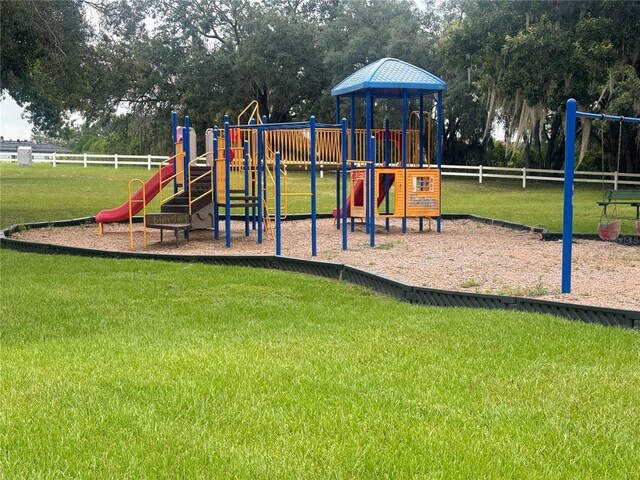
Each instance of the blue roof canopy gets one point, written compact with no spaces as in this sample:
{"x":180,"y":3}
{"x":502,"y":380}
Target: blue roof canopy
{"x":389,"y":78}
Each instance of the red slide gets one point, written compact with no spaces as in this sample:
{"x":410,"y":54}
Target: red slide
{"x":396,"y":139}
{"x":152,"y":188}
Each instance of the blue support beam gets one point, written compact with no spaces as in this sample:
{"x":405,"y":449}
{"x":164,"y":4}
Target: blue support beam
{"x":367,"y":190}
{"x":440,"y":133}
{"x":259,"y":163}
{"x":567,"y":215}
{"x":253,"y":186}
{"x":421,"y":154}
{"x":344,"y":183}
{"x":227,"y":185}
{"x":405,"y":113}
{"x":278,"y":208}
{"x":374,"y":200}
{"x":387,"y":160}
{"x":245,"y":151}
{"x":313,"y":187}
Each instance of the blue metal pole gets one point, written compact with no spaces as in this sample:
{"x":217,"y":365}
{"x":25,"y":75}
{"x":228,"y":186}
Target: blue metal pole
{"x":338,"y":214}
{"x":227,"y":185}
{"x":313,"y":186}
{"x":253,"y":184}
{"x":421,"y":151}
{"x":338,"y":201}
{"x":421,"y":133}
{"x":405,"y":112}
{"x":387,"y":160}
{"x":259,"y":181}
{"x":246,"y":187}
{"x":174,"y":135}
{"x":344,"y":183}
{"x":374,"y":200}
{"x":278,"y":231}
{"x":440,"y":134}
{"x":368,"y":108}
{"x":216,"y":205}
{"x":567,"y":217}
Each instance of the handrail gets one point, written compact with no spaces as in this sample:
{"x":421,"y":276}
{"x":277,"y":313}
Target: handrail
{"x":167,"y":180}
{"x":256,"y":112}
{"x":192,"y":181}
{"x":266,"y":196}
{"x":144,"y":212}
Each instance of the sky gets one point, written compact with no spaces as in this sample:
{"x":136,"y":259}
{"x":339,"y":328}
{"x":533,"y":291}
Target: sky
{"x":12,"y":125}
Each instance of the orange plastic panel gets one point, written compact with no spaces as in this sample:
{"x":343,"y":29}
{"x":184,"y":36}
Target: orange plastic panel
{"x":423,"y":192}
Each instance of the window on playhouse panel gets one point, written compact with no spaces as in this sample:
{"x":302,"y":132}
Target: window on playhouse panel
{"x":423,"y":184}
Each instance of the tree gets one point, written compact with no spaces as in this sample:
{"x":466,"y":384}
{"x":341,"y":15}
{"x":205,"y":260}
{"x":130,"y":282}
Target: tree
{"x":524,"y":59}
{"x":44,"y":49}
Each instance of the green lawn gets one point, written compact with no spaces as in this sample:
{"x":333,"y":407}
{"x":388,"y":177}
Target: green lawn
{"x":42,"y":193}
{"x":139,"y":369}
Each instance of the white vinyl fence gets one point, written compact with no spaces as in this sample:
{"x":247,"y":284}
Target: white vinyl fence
{"x":524,"y":174}
{"x":612,"y":179}
{"x":87,"y":159}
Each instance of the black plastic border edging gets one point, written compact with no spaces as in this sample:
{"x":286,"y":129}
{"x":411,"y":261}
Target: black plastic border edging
{"x":632,"y":240}
{"x":402,"y":291}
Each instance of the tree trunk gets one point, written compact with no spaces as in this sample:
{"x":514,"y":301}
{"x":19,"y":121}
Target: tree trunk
{"x":262,"y":98}
{"x":449,"y":153}
{"x":536,"y":139}
{"x":555,"y":127}
{"x":556,"y":160}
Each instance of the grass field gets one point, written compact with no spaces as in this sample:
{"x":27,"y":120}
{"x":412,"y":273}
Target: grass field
{"x":72,"y":191}
{"x":134,"y":369}
{"x":117,"y":368}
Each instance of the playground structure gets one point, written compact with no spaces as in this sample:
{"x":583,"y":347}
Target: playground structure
{"x":243,"y":172}
{"x":609,"y":226}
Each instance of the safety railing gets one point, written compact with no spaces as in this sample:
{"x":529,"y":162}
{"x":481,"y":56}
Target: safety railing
{"x":193,"y":181}
{"x":294,"y":146}
{"x":163,"y":182}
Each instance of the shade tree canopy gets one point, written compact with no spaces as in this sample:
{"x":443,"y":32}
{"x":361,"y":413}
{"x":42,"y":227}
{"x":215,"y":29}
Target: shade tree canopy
{"x":124,"y":65}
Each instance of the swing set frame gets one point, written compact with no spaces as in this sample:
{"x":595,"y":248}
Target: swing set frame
{"x":569,"y":167}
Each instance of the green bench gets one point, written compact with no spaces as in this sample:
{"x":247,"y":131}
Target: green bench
{"x":622,"y":197}
{"x":168,"y":221}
